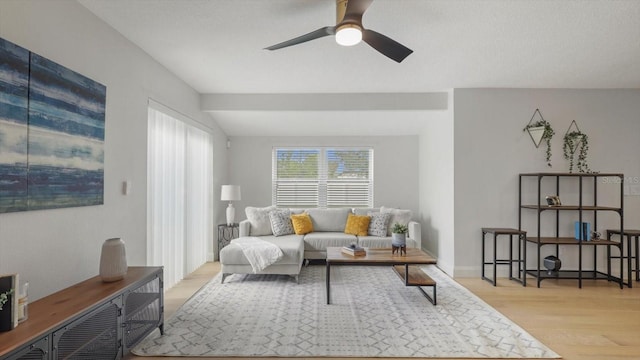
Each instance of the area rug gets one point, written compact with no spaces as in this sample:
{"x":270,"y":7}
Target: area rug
{"x":372,"y":315}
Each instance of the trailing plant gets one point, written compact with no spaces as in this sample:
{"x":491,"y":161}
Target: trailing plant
{"x":576,"y":140}
{"x":4,"y":297}
{"x":546,"y":136}
{"x":399,"y":228}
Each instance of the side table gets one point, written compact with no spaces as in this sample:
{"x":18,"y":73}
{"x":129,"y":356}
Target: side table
{"x":522,"y":254}
{"x":635,"y":255}
{"x":226,"y":233}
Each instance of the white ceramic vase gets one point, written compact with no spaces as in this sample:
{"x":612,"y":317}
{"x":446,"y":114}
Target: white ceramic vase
{"x":113,"y":260}
{"x":398,"y":240}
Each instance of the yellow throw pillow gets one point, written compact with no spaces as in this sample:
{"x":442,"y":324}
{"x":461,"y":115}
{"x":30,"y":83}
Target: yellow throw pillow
{"x":301,"y":223}
{"x":357,"y":225}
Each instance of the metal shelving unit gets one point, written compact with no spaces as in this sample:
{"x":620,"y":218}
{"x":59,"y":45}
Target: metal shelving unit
{"x":580,"y":273}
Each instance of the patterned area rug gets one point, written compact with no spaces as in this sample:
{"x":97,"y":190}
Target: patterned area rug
{"x":372,"y":315}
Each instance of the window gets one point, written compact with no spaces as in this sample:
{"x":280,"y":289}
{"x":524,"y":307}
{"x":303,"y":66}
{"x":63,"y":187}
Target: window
{"x":322,"y":177}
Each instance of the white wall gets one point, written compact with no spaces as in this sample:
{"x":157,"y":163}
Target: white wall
{"x":436,"y":187}
{"x":56,"y":248}
{"x":491,"y":150}
{"x":395,"y":167}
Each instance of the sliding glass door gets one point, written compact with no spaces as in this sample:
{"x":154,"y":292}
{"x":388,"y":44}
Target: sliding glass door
{"x":179,"y":194}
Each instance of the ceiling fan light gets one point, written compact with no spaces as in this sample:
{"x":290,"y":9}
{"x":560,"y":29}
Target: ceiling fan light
{"x":348,"y":35}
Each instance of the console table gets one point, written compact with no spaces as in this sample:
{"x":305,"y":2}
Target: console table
{"x":90,"y":320}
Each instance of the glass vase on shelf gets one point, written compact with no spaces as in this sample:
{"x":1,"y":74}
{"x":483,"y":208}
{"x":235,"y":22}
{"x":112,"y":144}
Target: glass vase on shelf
{"x":23,"y":303}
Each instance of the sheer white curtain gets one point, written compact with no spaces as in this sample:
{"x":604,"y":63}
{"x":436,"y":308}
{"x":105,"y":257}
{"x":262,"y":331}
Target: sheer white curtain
{"x":179,"y":195}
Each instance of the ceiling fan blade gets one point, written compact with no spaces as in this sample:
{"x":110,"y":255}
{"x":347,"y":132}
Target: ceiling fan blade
{"x":386,"y":46}
{"x":322,"y":32}
{"x":355,"y":10}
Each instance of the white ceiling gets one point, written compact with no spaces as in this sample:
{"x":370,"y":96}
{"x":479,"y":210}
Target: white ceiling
{"x":216,"y":46}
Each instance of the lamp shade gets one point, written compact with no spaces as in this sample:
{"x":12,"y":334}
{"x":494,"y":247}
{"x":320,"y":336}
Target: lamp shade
{"x":230,"y":193}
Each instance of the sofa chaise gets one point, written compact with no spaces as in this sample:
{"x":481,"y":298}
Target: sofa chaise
{"x":329,"y":228}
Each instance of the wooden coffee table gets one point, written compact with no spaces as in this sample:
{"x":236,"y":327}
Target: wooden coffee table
{"x":403,"y":265}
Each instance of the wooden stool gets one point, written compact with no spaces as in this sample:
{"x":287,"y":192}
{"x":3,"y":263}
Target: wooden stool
{"x":630,"y":235}
{"x":522,"y":254}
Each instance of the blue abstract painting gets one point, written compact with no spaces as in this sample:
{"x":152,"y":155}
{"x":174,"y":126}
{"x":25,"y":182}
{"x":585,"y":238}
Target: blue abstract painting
{"x":14,"y":91}
{"x":51,"y":134}
{"x":66,"y":137}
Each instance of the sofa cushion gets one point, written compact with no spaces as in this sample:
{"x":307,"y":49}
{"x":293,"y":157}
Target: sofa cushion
{"x":301,"y":223}
{"x":291,"y":246}
{"x":329,"y":219}
{"x":374,"y":242}
{"x":259,"y":219}
{"x":357,"y":225}
{"x":365,"y":211}
{"x":321,"y":240}
{"x":378,"y":224}
{"x":281,"y":222}
{"x":397,"y":216}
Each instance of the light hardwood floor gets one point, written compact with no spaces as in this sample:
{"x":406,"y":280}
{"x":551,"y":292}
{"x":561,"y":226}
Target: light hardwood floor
{"x":598,"y":322}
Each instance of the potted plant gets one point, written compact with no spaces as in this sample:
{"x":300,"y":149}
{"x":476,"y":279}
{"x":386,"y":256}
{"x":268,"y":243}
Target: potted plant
{"x":4,"y":297}
{"x":576,"y":140}
{"x":541,"y":130}
{"x":399,"y":235}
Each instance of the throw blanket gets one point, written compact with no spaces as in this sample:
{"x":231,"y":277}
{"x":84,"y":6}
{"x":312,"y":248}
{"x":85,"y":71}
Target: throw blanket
{"x":260,"y":253}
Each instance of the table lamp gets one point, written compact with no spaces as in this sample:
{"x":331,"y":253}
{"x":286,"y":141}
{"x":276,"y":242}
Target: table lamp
{"x":230,"y":193}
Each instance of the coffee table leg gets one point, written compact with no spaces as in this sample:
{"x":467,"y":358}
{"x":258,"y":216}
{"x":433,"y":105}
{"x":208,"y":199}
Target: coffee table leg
{"x":406,"y":275}
{"x":328,"y":286}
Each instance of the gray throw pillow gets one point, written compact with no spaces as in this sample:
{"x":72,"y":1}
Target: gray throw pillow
{"x":378,"y":224}
{"x":281,"y":222}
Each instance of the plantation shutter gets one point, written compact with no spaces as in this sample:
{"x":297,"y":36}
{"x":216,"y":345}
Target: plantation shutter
{"x":349,"y":178}
{"x":295,"y":177}
{"x":322,"y":177}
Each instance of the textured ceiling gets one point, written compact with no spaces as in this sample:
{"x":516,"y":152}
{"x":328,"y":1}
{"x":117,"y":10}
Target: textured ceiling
{"x":216,"y":46}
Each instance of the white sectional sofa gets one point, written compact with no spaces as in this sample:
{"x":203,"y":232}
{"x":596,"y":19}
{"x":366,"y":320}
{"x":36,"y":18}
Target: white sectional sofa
{"x":328,"y":230}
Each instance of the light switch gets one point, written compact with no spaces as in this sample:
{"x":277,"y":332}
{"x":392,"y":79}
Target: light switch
{"x":126,"y":187}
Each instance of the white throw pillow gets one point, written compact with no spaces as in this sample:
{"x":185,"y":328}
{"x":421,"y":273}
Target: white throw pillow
{"x":259,"y":219}
{"x":397,"y":216}
{"x":281,"y":222}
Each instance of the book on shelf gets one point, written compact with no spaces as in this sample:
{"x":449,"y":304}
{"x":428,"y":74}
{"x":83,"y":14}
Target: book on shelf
{"x":354,"y":251}
{"x":582,"y":231}
{"x":9,"y":312}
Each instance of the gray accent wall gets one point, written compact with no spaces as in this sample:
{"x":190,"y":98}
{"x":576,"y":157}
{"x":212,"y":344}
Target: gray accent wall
{"x":395,"y":167}
{"x":490,"y":150}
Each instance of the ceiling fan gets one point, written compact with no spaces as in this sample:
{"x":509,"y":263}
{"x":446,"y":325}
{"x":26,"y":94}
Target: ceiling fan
{"x":350,"y":31}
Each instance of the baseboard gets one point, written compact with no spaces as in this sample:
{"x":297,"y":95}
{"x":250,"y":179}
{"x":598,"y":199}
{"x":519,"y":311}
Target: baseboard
{"x":476,"y":271}
{"x":444,"y":266}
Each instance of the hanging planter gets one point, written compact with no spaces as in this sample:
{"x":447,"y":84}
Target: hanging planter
{"x":575,"y":140}
{"x":539,"y":130}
